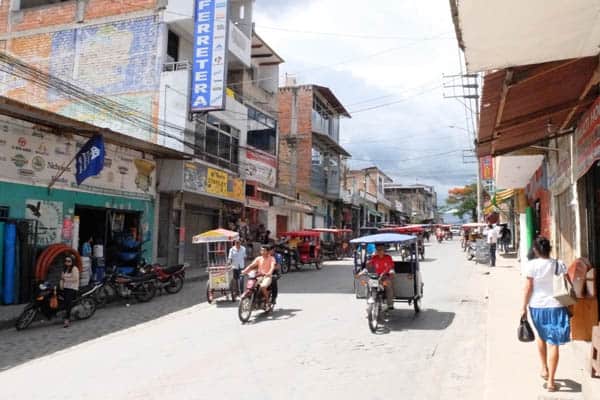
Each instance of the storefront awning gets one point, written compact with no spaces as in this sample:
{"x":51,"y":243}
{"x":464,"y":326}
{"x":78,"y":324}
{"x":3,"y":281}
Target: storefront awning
{"x":275,"y":193}
{"x":500,"y":34}
{"x":524,"y":105}
{"x":514,"y":172}
{"x":62,"y":124}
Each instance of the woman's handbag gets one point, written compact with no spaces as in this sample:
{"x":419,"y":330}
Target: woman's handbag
{"x":562,"y":288}
{"x":53,"y":300}
{"x":525,"y":333}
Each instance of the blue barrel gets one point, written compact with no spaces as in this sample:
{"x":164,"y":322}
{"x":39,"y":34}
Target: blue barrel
{"x":8,"y":291}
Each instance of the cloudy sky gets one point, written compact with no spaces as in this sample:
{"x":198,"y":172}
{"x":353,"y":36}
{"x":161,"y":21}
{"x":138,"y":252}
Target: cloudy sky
{"x":386,"y":61}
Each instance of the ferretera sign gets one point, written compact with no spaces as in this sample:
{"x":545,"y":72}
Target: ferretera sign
{"x":209,"y":70}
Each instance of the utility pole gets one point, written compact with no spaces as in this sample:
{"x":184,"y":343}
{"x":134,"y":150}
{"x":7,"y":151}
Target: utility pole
{"x":466,"y":92}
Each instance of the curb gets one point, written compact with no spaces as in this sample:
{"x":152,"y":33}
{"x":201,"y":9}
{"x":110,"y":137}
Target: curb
{"x":10,"y":323}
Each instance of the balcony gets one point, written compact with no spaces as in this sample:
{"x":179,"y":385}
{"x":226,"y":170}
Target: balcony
{"x":324,"y":126}
{"x":318,"y":181}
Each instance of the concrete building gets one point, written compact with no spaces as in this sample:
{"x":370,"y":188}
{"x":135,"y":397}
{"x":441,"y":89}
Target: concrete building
{"x":419,"y":202}
{"x":139,"y":54}
{"x":310,"y":155}
{"x":367,"y":187}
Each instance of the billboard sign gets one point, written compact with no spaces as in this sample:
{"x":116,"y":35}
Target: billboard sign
{"x":209,"y":69}
{"x":487,"y":168}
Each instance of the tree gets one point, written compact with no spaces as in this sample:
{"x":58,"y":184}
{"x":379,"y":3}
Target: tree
{"x":463,"y":200}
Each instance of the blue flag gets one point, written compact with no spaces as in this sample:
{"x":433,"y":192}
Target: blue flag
{"x":90,"y":159}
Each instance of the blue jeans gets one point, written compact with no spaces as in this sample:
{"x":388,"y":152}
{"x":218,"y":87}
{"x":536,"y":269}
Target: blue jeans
{"x":239,"y":278}
{"x":493,"y":254}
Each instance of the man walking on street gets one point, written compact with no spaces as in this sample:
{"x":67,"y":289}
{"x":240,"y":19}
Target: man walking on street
{"x":492,"y":240}
{"x":237,"y":259}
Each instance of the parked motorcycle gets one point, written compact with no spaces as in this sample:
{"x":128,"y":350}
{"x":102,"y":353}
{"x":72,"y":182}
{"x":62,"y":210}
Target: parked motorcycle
{"x":83,"y":307}
{"x":143,"y":287}
{"x":170,"y":279}
{"x":252,"y":299}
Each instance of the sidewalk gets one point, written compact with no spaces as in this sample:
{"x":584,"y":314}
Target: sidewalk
{"x":513,"y":367}
{"x":9,"y":314}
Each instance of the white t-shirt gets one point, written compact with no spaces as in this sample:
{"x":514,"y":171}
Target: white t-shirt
{"x":492,"y":236}
{"x":542,"y":272}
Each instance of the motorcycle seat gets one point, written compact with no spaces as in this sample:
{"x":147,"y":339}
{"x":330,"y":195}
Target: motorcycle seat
{"x":173,"y":269}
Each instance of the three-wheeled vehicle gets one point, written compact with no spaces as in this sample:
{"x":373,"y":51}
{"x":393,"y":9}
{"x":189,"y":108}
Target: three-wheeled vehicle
{"x":335,"y":242}
{"x":470,"y":233}
{"x":220,"y":274}
{"x":305,"y":247}
{"x":414,"y":230}
{"x":406,"y":280}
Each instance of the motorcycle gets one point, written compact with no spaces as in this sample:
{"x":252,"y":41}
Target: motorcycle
{"x":252,"y":298}
{"x":439,"y":237}
{"x":376,"y":286}
{"x":170,"y":279}
{"x":83,"y":307}
{"x":471,"y":251}
{"x":143,"y":287}
{"x":284,"y":256}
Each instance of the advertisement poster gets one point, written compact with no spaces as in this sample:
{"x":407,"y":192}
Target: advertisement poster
{"x":49,"y":215}
{"x":198,"y":178}
{"x":487,"y":168}
{"x":587,"y":139}
{"x":260,"y":168}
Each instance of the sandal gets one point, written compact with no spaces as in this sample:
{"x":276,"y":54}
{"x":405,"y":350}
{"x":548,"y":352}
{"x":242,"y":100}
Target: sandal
{"x":552,"y":388}
{"x":544,"y":376}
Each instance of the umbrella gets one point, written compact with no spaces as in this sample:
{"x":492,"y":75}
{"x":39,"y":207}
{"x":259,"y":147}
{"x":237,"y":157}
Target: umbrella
{"x":216,"y":235}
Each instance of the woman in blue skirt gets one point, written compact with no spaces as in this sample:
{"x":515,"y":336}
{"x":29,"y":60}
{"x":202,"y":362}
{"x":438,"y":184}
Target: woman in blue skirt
{"x":550,"y":318}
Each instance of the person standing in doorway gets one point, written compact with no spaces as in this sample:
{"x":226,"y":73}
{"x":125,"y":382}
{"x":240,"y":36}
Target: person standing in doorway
{"x":550,"y":318}
{"x":492,"y":240}
{"x":237,"y":260}
{"x":69,"y":283}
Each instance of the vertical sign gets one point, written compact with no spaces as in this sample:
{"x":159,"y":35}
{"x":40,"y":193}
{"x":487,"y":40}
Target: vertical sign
{"x":487,"y":168}
{"x":209,"y":69}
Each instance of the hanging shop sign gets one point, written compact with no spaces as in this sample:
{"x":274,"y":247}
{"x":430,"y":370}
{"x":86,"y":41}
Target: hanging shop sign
{"x":487,"y":168}
{"x":198,"y":178}
{"x":49,"y":215}
{"x":587,"y":139}
{"x":38,"y":158}
{"x":209,"y":69}
{"x":260,"y":168}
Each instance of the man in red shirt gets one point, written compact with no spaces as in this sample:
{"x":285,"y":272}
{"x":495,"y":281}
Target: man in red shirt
{"x":384,"y":267}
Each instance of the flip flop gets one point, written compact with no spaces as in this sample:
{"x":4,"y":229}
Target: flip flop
{"x":544,"y":376}
{"x":551,"y":388}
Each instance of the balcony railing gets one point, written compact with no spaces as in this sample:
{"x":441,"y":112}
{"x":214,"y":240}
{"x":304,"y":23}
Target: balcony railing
{"x":176,"y":66}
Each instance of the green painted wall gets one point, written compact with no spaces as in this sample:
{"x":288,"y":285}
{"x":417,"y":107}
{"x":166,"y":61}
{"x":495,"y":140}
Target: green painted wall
{"x":14,"y":195}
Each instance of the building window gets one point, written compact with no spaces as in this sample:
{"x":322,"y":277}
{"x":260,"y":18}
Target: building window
{"x":38,"y":3}
{"x":173,"y":47}
{"x":262,"y":131}
{"x":4,"y":212}
{"x":316,"y":157}
{"x":217,"y":142}
{"x":380,"y":186}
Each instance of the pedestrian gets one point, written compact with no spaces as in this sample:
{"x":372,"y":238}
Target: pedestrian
{"x":86,"y":248}
{"x":237,"y":260}
{"x":550,"y":318}
{"x":267,"y":238}
{"x":69,"y":282}
{"x":504,"y":238}
{"x":492,"y":240}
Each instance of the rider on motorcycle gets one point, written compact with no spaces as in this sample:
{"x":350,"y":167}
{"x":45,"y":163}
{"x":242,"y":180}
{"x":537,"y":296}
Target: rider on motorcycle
{"x":265,"y":265}
{"x":384,"y":267}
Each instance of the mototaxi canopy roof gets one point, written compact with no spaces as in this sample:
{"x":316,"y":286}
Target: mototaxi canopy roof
{"x":383,"y":238}
{"x":409,"y":229}
{"x":306,"y":233}
{"x":216,"y":235}
{"x":332,"y":230}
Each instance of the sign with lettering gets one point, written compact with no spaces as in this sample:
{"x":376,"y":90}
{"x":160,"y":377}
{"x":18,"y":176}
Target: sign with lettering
{"x":198,"y":178}
{"x":587,"y":139}
{"x":90,"y":159}
{"x":209,"y":58}
{"x":487,"y":168}
{"x":259,"y":167}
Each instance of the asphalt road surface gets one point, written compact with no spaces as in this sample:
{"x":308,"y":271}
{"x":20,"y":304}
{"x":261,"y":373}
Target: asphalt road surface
{"x":316,"y":344}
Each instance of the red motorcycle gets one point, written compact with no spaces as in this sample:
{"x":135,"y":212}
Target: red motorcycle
{"x":170,"y":279}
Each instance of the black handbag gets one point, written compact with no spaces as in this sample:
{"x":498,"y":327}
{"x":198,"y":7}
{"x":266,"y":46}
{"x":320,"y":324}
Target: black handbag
{"x":525,"y":333}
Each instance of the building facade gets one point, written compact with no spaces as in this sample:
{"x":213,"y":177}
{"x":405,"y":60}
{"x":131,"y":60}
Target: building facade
{"x":310,"y":157}
{"x":419,"y":202}
{"x":367,"y":186}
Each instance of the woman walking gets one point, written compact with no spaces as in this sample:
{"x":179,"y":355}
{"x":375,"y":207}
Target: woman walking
{"x":70,"y":286}
{"x":550,"y":318}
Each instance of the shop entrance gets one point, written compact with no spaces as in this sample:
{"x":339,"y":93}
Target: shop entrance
{"x":118,"y":231}
{"x":591,"y":184}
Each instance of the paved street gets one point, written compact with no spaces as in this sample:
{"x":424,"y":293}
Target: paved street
{"x":316,"y":344}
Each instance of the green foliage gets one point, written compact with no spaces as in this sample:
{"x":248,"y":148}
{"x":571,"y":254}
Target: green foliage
{"x":463,"y":201}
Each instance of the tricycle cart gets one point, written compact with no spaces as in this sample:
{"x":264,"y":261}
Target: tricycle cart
{"x":335,"y":242}
{"x":406,"y":281}
{"x":220,"y":274}
{"x":414,"y":230}
{"x":305,"y":247}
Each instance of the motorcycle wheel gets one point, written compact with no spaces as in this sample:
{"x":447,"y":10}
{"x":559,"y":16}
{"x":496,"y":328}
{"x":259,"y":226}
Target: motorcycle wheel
{"x":101,"y":296}
{"x":26,"y":318}
{"x":422,"y":256}
{"x":145,"y":291}
{"x":175,"y":284}
{"x":87,"y":306}
{"x":245,"y":309}
{"x":285,"y":267}
{"x":318,"y":264}
{"x":209,"y":297}
{"x":373,"y":315}
{"x":417,"y":305}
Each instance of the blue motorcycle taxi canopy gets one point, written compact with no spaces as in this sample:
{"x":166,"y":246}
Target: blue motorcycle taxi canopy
{"x":384,"y":238}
